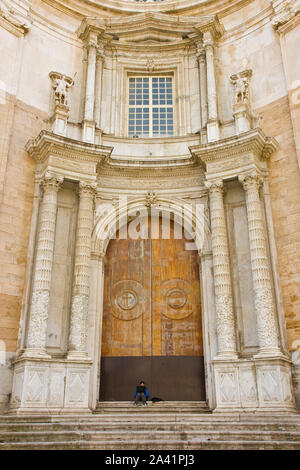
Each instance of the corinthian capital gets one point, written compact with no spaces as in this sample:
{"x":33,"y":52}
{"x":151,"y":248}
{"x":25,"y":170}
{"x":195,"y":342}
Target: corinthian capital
{"x":251,"y":181}
{"x":86,"y":188}
{"x":215,"y":186}
{"x":51,"y":180}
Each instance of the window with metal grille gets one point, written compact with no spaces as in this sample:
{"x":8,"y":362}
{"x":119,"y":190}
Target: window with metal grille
{"x":150,"y":106}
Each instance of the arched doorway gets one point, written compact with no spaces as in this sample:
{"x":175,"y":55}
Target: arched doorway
{"x":152,"y":328}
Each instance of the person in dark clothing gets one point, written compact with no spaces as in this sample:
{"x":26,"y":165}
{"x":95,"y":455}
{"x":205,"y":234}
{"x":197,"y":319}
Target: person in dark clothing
{"x":141,"y":394}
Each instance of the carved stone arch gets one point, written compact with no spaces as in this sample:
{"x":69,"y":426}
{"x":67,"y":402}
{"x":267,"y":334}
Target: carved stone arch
{"x":196,"y":224}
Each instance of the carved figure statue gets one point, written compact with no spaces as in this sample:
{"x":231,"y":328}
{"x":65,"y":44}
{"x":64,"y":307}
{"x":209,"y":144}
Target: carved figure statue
{"x":241,"y":90}
{"x":241,"y":86}
{"x":61,"y":86}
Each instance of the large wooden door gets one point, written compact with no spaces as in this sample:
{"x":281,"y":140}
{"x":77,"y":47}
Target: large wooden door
{"x":152,"y":320}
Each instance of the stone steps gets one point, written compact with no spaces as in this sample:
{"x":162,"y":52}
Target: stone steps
{"x":153,"y":445}
{"x":161,"y":426}
{"x":142,"y":436}
{"x":148,"y":425}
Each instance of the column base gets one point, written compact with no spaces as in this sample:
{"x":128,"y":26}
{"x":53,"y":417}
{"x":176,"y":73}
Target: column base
{"x":213,"y":132}
{"x":88,"y":131}
{"x":35,"y":353}
{"x":78,"y":356}
{"x":270,"y":354}
{"x":226,"y":356}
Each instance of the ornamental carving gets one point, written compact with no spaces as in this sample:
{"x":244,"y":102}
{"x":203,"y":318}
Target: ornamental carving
{"x":78,"y":326}
{"x":177,"y":299}
{"x":128,"y":300}
{"x":38,"y":319}
{"x":151,"y":198}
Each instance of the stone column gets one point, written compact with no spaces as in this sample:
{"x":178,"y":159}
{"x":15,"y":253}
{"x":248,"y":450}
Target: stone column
{"x":202,"y":86}
{"x":89,"y":124}
{"x":80,"y":297}
{"x":268,"y":335}
{"x":36,"y":339}
{"x":212,"y":124}
{"x":98,"y":85}
{"x":222,"y":277}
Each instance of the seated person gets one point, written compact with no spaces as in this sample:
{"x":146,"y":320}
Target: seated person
{"x":141,"y":394}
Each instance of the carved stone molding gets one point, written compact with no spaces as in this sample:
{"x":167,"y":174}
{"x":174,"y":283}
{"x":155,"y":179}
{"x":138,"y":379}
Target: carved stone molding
{"x":290,"y":11}
{"x":11,"y":21}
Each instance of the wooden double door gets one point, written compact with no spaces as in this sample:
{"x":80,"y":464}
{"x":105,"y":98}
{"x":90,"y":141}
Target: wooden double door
{"x":152,"y":329}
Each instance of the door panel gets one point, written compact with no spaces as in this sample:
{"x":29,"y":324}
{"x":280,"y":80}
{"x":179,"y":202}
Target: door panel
{"x":152,"y":320}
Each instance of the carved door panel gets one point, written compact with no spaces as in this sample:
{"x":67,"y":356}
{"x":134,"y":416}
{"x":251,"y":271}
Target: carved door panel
{"x":152,"y":320}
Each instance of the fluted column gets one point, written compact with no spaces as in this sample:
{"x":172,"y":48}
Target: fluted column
{"x":39,"y":309}
{"x":222,"y":277}
{"x":202,"y":86}
{"x":81,"y":288}
{"x":212,"y":124}
{"x":268,"y":335}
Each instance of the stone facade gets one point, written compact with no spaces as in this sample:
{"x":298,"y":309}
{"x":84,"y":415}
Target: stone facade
{"x":69,"y":171}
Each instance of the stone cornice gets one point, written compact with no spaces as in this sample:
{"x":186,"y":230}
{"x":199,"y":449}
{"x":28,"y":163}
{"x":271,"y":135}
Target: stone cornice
{"x":128,"y":7}
{"x":253,"y":141}
{"x":141,"y":29}
{"x":47,"y":144}
{"x":11,"y":23}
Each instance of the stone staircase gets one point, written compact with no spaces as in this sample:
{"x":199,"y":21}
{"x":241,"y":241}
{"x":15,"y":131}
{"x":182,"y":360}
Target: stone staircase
{"x":160,"y":426}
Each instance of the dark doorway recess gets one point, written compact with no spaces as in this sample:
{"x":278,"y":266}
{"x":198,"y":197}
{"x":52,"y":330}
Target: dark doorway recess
{"x":173,"y":378}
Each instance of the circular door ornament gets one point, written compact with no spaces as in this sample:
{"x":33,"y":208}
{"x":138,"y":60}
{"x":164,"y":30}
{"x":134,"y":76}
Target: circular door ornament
{"x":127,"y":299}
{"x":177,"y":299}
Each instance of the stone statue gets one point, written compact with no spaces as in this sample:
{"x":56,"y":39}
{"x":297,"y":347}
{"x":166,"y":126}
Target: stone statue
{"x":241,"y":86}
{"x":61,"y":85}
{"x":241,"y":90}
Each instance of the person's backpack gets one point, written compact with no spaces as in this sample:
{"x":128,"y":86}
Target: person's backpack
{"x":156,"y":399}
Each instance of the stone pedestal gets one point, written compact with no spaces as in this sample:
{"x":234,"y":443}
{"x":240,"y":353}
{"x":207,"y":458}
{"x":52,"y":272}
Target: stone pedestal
{"x":55,"y":386}
{"x":254,"y":385}
{"x":59,"y":120}
{"x":242,"y":117}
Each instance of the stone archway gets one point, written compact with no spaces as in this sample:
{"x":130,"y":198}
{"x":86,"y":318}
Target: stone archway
{"x":195,"y":224}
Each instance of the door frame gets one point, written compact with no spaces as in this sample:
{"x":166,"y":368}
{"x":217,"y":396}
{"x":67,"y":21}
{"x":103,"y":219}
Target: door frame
{"x":102,"y":234}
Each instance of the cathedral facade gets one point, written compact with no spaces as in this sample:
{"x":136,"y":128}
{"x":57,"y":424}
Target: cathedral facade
{"x":150,"y":203}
